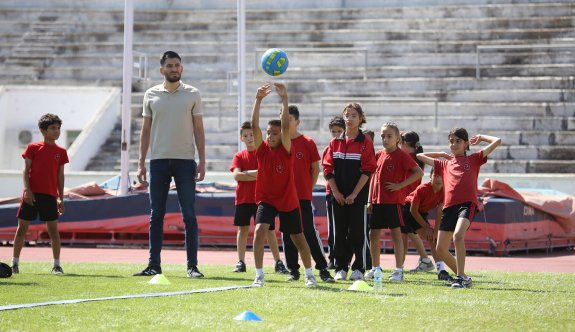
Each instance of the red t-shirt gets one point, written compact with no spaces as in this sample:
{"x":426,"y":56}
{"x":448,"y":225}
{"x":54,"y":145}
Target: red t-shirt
{"x":410,"y":188}
{"x":305,"y":152}
{"x":46,"y":160}
{"x":275,"y":183}
{"x":391,"y":167}
{"x":245,"y":190}
{"x":460,"y":178}
{"x":425,"y":198}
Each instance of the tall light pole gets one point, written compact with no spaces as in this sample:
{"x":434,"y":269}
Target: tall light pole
{"x":241,"y":65}
{"x":126,"y":96}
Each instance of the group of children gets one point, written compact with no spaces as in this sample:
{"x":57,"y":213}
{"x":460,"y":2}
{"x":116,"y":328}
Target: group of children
{"x":366,"y":191}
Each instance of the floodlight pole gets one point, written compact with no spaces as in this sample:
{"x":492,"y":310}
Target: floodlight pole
{"x":241,"y":65}
{"x":126,"y":96}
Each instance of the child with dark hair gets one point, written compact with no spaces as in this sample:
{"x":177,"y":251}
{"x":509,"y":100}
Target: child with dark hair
{"x":276,"y":192}
{"x":459,"y":172}
{"x":395,"y":171}
{"x":245,"y":169}
{"x":348,"y":164}
{"x":43,"y":188}
{"x":336,"y":128}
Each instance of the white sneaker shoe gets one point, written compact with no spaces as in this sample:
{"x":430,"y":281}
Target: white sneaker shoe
{"x":423,"y":267}
{"x":369,"y":274}
{"x":310,"y":281}
{"x":258,"y":281}
{"x":356,"y":275}
{"x":340,"y":275}
{"x":396,"y":276}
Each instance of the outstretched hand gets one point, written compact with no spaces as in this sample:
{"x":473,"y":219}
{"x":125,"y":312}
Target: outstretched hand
{"x":281,"y":90}
{"x":263,"y":91}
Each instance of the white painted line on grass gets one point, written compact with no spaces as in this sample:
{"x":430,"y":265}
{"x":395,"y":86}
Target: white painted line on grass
{"x":135,"y":296}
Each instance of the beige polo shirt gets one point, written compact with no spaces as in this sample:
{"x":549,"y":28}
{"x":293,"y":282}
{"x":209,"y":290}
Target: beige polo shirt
{"x":172,"y":135}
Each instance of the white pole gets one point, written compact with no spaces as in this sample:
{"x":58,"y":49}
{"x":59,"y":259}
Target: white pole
{"x":241,"y":65}
{"x":126,"y":96}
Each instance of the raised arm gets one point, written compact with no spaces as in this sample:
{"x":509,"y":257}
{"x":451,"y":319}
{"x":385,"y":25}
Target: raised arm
{"x":492,"y":140}
{"x":286,"y":139}
{"x":262,"y":92}
{"x":429,"y":157}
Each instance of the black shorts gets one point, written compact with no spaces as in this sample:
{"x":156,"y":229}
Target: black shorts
{"x":290,"y":222}
{"x":386,"y":216}
{"x":453,"y":213}
{"x":411,"y":225}
{"x":46,"y":206}
{"x":244,"y":214}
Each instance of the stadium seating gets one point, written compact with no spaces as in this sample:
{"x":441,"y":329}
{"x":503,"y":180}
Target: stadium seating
{"x":415,"y":49}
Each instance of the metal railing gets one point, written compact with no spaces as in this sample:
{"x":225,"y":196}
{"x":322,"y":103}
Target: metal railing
{"x":141,"y":66}
{"x":362,"y":50}
{"x":512,"y":47}
{"x":324,"y":100}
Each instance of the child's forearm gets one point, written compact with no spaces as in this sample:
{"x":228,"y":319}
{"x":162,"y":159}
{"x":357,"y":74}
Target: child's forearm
{"x":487,"y":138}
{"x":360,"y":184}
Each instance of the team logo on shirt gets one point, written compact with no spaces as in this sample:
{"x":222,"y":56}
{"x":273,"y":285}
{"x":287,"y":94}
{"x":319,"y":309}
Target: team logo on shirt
{"x":390,"y":168}
{"x":57,"y":157}
{"x":299,"y":155}
{"x":280,"y":168}
{"x":466,"y":167}
{"x":362,"y":149}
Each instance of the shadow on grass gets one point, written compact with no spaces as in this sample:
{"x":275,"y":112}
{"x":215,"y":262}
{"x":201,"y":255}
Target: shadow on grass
{"x":8,"y":283}
{"x":75,"y":275}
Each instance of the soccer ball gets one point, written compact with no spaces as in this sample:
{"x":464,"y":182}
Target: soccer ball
{"x":275,"y":62}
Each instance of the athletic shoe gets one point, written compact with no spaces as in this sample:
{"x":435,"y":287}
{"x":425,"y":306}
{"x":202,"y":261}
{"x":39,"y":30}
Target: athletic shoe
{"x":423,"y":267}
{"x":280,"y":267}
{"x":57,"y":270}
{"x":293,"y":276}
{"x":240,"y":267}
{"x":444,"y":275}
{"x":396,"y":276}
{"x":340,"y":275}
{"x":15,"y":269}
{"x":258,"y":281}
{"x":149,"y":271}
{"x":193,"y":272}
{"x":310,"y":281}
{"x":326,"y":276}
{"x":369,"y":274}
{"x":461,"y":283}
{"x":356,"y":275}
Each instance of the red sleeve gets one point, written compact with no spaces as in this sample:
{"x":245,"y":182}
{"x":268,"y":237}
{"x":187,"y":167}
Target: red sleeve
{"x":368,"y":163}
{"x":409,"y":163}
{"x":439,"y":166}
{"x":236,"y":162}
{"x":479,"y":158}
{"x":29,"y":152}
{"x":64,"y":159}
{"x":327,"y":161}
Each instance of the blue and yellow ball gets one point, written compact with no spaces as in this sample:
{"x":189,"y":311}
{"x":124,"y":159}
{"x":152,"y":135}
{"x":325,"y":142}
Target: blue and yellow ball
{"x":275,"y":62}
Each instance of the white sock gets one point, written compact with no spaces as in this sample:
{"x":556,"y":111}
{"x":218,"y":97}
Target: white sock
{"x":440,"y":266}
{"x":375,"y":268}
{"x":15,"y":260}
{"x":56,"y":262}
{"x":308,"y":272}
{"x":259,"y":272}
{"x":399,"y":269}
{"x":426,"y":260}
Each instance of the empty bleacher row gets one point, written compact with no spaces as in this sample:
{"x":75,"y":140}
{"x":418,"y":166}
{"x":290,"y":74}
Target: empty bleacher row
{"x":413,"y":51}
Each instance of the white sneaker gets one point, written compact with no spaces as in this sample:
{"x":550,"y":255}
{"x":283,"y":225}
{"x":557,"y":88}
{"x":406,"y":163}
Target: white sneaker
{"x":423,"y":267}
{"x":340,"y":275}
{"x":356,"y":275}
{"x":396,"y":276}
{"x":258,"y":281}
{"x":310,"y":281}
{"x":369,"y":274}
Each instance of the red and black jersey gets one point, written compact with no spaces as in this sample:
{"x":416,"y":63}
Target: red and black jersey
{"x":346,"y":160}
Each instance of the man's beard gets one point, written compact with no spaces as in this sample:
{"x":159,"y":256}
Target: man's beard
{"x":172,"y":79}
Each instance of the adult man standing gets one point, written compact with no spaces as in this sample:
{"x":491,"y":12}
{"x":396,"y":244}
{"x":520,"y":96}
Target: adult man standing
{"x":172,"y":122}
